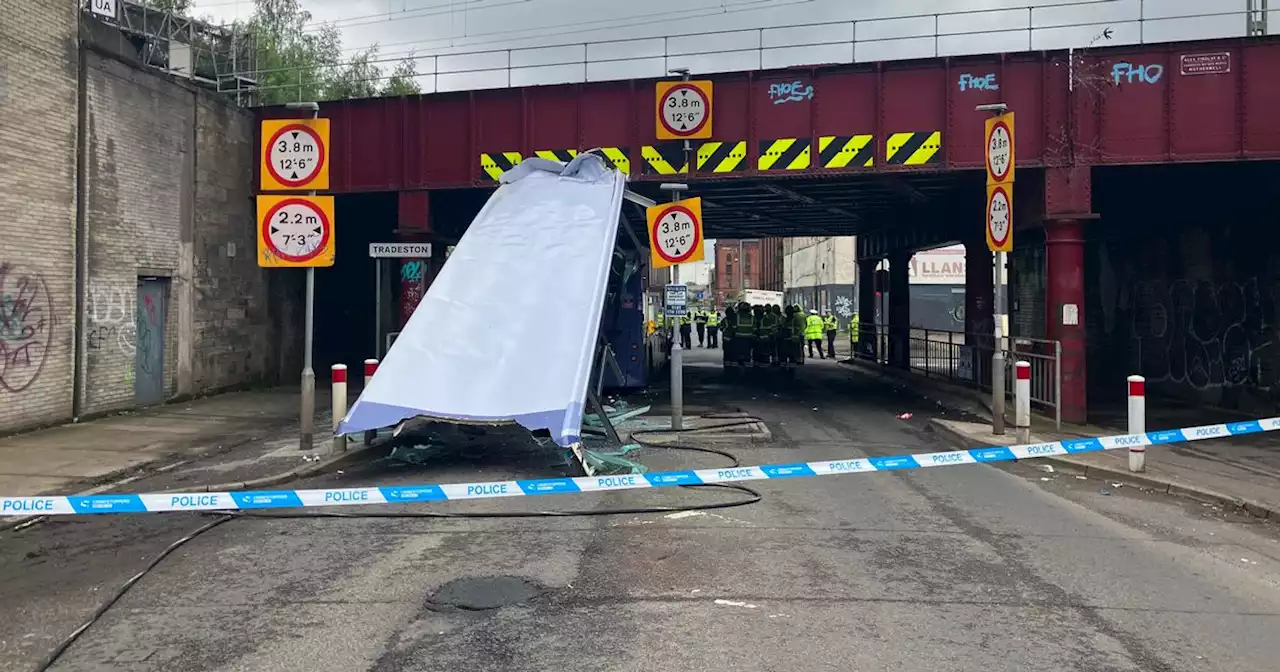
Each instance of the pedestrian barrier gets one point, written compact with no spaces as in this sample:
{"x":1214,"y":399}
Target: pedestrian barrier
{"x":407,"y":494}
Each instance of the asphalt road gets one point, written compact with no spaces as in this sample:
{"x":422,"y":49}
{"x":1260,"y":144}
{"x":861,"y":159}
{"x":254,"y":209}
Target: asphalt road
{"x":959,"y":568}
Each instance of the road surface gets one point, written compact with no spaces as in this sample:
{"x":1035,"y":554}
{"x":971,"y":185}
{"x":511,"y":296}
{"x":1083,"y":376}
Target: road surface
{"x":977,"y":567}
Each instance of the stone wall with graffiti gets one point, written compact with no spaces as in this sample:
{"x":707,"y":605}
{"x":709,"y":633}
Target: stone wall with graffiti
{"x":38,"y":96}
{"x":137,"y":215}
{"x":167,"y":203}
{"x":1186,"y":295}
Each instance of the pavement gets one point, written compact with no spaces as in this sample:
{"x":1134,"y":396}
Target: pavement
{"x":1242,"y":471}
{"x":986,"y":568}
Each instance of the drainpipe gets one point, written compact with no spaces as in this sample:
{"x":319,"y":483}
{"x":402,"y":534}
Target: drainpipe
{"x":79,"y":328}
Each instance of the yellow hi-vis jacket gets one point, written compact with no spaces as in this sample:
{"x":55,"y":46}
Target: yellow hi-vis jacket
{"x":813,"y":330}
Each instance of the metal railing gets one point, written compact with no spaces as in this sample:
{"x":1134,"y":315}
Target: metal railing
{"x":965,"y":358}
{"x":1081,"y":24}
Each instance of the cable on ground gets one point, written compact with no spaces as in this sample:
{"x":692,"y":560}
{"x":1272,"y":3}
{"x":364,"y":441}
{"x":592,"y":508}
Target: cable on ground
{"x":221,"y":517}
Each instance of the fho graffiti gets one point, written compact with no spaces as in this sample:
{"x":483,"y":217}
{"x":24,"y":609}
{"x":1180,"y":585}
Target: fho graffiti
{"x":985,"y":82}
{"x":790,"y":92}
{"x":1129,"y":73}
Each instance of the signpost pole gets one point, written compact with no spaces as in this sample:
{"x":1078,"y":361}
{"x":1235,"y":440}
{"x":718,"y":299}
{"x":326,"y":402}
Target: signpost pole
{"x":997,"y":353}
{"x":306,"y":439}
{"x":677,"y":351}
{"x":1000,"y":164}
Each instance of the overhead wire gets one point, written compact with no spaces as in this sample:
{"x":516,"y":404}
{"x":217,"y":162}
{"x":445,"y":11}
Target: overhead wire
{"x":221,"y":517}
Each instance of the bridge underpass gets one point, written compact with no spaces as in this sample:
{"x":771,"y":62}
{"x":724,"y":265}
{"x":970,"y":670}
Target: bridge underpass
{"x":435,"y":157}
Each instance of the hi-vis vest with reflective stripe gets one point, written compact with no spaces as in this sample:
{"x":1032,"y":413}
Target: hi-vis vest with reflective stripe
{"x":813,"y":328}
{"x":713,"y":320}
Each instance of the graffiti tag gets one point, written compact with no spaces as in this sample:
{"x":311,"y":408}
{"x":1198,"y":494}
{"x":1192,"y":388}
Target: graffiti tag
{"x":412,"y":271}
{"x":790,"y":92}
{"x":985,"y":82}
{"x":26,"y":328}
{"x":1128,"y":73}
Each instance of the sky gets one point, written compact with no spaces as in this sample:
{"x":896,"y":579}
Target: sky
{"x":470,"y":26}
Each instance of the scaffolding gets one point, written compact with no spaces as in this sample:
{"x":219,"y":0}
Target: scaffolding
{"x":212,"y":56}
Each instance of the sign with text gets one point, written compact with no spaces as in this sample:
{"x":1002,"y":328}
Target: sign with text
{"x":1000,"y":217}
{"x":677,"y":300}
{"x":400,"y":250}
{"x":684,"y":110}
{"x":294,"y":155}
{"x":295,"y":231}
{"x":1000,"y":149}
{"x":675,"y":233}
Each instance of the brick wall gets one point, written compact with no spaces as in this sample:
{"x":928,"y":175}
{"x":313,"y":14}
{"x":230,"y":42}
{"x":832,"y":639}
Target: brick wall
{"x":38,"y":72}
{"x":167,"y":199}
{"x":139,"y":138}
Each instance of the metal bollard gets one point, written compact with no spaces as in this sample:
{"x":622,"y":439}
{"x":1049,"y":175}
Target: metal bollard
{"x":370,"y":368}
{"x":339,"y":377}
{"x":1137,"y":421}
{"x":1022,"y":401}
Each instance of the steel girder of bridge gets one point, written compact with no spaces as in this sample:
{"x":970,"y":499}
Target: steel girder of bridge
{"x":1130,"y":105}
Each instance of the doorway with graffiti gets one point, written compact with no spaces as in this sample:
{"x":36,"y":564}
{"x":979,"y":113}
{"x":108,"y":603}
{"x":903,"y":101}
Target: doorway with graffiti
{"x":149,"y":323}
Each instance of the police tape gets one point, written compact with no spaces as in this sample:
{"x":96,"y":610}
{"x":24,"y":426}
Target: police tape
{"x":410,"y":494}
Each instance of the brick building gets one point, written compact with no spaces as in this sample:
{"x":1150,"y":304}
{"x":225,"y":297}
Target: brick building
{"x":128,"y":273}
{"x":746,"y":264}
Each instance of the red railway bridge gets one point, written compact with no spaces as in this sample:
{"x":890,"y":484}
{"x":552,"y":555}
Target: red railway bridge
{"x":1105,"y":220}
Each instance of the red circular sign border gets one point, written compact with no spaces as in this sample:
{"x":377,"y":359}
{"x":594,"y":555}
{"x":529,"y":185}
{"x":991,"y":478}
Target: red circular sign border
{"x":271,"y":168}
{"x":987,"y":158}
{"x":325,"y":228}
{"x":705,"y":118}
{"x":697,"y":234}
{"x":1000,"y":189}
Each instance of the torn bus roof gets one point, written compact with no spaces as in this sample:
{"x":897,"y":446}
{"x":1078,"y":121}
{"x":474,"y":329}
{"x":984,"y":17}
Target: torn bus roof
{"x":507,"y":331}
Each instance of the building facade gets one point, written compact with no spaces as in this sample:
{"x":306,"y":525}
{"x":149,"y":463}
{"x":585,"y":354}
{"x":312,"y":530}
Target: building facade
{"x":755,"y":263}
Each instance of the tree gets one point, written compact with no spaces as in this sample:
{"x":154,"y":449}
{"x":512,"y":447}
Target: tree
{"x":357,"y":78}
{"x":403,"y":80}
{"x":297,"y":62}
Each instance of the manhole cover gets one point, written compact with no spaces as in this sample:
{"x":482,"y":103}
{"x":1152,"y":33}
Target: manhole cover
{"x":485,"y":592}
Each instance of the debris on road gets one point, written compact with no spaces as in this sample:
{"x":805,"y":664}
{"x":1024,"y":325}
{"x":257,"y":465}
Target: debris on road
{"x":733,"y":603}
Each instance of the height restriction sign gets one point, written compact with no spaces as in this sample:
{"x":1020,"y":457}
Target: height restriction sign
{"x":1000,"y":217}
{"x":684,"y":110}
{"x":1000,"y":149}
{"x":295,"y":155}
{"x":675,"y":233}
{"x":295,"y":231}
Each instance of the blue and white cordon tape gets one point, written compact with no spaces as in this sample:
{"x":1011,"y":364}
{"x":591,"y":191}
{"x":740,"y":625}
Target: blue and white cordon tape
{"x":404,"y":494}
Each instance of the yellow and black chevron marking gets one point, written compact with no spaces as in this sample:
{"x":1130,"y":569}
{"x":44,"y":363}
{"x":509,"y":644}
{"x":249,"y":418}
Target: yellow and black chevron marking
{"x":667,"y":158}
{"x":495,"y":164}
{"x":561,"y":155}
{"x":846,"y":151}
{"x":913,"y":149}
{"x":618,"y":158}
{"x":722,"y":157}
{"x":784,"y":154}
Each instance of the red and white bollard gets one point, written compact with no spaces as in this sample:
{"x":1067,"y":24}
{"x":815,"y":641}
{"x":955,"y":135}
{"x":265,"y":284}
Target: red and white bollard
{"x":1137,"y":421}
{"x":370,"y":368}
{"x":339,"y":377}
{"x":1022,"y":401}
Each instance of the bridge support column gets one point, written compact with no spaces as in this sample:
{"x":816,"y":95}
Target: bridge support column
{"x":414,"y":275}
{"x":866,"y":309}
{"x":899,"y":310}
{"x":974,"y":360}
{"x":1064,"y":261}
{"x":1068,"y":204}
